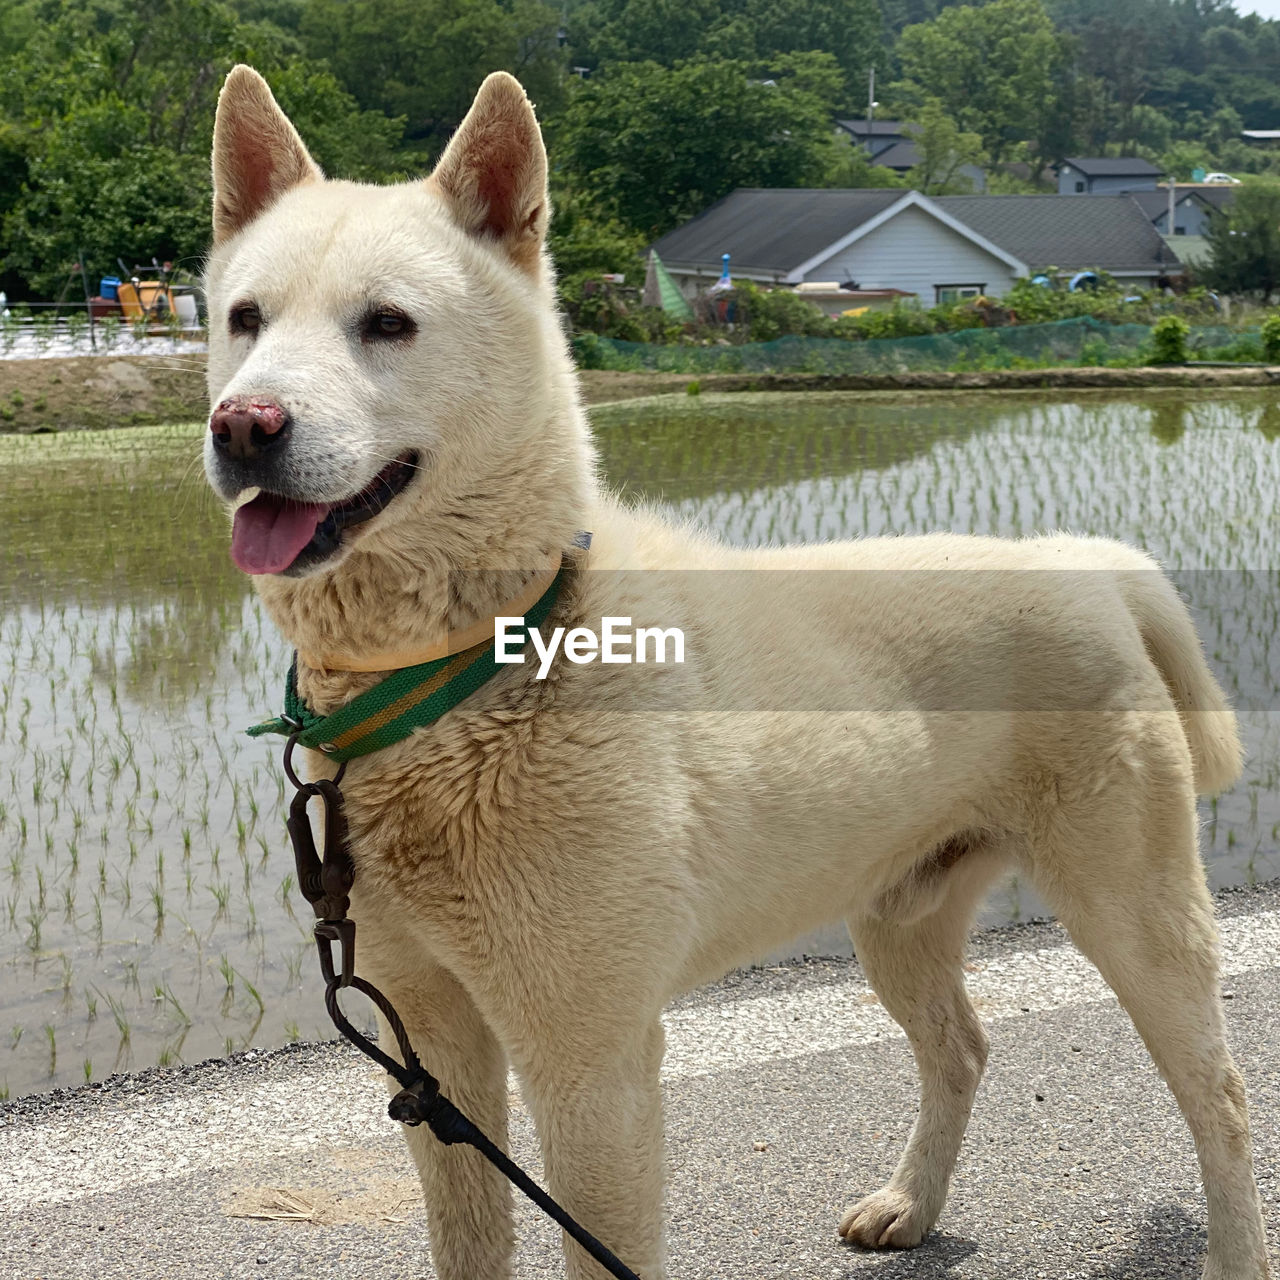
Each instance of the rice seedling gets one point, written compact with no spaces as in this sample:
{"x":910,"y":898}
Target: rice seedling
{"x":120,"y":1018}
{"x":252,"y":990}
{"x":35,"y":920}
{"x":175,"y":1004}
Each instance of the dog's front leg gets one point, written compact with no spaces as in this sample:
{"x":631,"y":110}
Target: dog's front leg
{"x":469,"y":1216}
{"x":600,"y":1125}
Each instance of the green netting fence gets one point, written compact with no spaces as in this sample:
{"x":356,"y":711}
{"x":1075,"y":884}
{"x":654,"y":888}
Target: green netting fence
{"x":1082,"y":340}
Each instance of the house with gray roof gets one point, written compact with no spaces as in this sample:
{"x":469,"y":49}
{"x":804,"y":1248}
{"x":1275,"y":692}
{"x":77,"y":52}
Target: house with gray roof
{"x":877,"y":136}
{"x":890,"y":145}
{"x":1194,"y":206}
{"x":936,"y":248}
{"x":1101,"y":175}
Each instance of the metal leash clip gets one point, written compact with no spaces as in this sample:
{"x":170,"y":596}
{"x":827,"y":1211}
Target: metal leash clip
{"x":343,"y":932}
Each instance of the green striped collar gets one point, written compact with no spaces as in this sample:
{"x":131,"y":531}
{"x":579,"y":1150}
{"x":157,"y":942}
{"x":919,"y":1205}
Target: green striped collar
{"x":407,"y":699}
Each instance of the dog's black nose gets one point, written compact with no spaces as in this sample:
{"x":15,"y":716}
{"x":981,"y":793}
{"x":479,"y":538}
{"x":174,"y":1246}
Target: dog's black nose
{"x":245,"y":427}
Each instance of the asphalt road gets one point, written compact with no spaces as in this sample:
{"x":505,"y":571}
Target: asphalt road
{"x":789,"y":1092}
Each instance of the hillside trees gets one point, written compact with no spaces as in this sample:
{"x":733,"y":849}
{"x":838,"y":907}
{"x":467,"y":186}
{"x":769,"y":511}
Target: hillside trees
{"x":110,"y":105}
{"x":106,"y":106}
{"x":994,"y":69}
{"x":424,"y":59}
{"x":659,"y":144}
{"x":670,"y":31}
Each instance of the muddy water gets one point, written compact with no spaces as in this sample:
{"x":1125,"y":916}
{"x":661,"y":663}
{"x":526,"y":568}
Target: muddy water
{"x":147,"y":905}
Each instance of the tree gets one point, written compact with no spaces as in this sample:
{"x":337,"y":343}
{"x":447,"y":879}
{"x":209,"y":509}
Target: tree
{"x":1244,"y":244}
{"x":659,"y":144}
{"x":993,"y":69}
{"x":671,"y":31}
{"x":849,"y":165}
{"x":944,"y":151}
{"x":106,"y":116}
{"x":583,"y":243}
{"x":95,"y":184}
{"x":424,"y":59}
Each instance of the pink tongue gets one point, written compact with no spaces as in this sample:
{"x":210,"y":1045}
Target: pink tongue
{"x":269,"y":532}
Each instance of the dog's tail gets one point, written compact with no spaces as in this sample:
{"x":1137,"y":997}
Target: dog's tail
{"x":1170,"y":638}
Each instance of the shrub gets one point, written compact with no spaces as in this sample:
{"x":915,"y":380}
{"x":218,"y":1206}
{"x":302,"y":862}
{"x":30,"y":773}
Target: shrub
{"x":1093,"y":352}
{"x":1271,"y":339}
{"x":775,"y":313}
{"x":1169,"y":340}
{"x":1043,"y":304}
{"x":902,"y":320}
{"x":596,"y":307}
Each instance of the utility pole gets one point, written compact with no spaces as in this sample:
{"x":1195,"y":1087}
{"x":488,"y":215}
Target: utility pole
{"x":1173,"y":192}
{"x":871,"y":105}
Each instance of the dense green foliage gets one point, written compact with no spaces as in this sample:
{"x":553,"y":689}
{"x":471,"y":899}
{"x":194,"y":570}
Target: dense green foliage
{"x":1245,"y":245}
{"x":993,"y":69}
{"x":106,"y":114}
{"x":765,"y":315}
{"x":653,"y":109}
{"x":660,"y":144}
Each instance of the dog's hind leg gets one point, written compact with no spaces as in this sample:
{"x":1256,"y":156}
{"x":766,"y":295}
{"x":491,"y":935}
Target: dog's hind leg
{"x":915,"y":966}
{"x":469,"y":1215}
{"x":1123,"y":874}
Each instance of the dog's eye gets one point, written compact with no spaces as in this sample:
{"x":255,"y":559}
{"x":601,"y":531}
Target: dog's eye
{"x":386,"y":323}
{"x":245,"y":318}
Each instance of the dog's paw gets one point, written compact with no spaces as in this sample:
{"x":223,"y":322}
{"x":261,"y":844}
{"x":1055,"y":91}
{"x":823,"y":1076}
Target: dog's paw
{"x":1244,"y":1270}
{"x":889,"y":1219}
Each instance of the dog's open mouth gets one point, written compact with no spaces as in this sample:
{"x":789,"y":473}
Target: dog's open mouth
{"x":272,"y":533}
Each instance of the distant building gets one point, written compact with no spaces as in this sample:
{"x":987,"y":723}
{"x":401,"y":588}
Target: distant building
{"x":1195,"y":204}
{"x":938,"y":248}
{"x":877,"y":136}
{"x":1103,"y":175}
{"x":889,"y":144}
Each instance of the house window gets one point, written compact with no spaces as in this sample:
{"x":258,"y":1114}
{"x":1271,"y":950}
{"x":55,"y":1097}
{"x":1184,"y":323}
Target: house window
{"x":954,"y":292}
{"x":1079,"y":187}
{"x":1179,"y":231}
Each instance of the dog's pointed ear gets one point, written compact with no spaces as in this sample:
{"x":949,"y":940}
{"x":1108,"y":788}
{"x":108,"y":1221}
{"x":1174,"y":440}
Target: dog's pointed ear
{"x":257,"y":154}
{"x":493,"y":174}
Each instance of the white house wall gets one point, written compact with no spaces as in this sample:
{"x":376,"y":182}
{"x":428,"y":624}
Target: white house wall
{"x":915,"y":252}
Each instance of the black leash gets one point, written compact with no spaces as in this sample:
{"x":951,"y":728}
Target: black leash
{"x":327,"y":886}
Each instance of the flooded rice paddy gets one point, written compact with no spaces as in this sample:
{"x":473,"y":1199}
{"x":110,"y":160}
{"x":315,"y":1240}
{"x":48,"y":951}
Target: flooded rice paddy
{"x":148,"y":910}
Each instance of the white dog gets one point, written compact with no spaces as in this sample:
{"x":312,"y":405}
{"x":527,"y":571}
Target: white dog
{"x":541,"y":870}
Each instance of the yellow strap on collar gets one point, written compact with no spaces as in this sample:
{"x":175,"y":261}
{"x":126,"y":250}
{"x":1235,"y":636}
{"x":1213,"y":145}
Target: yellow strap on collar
{"x":455,"y":642}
